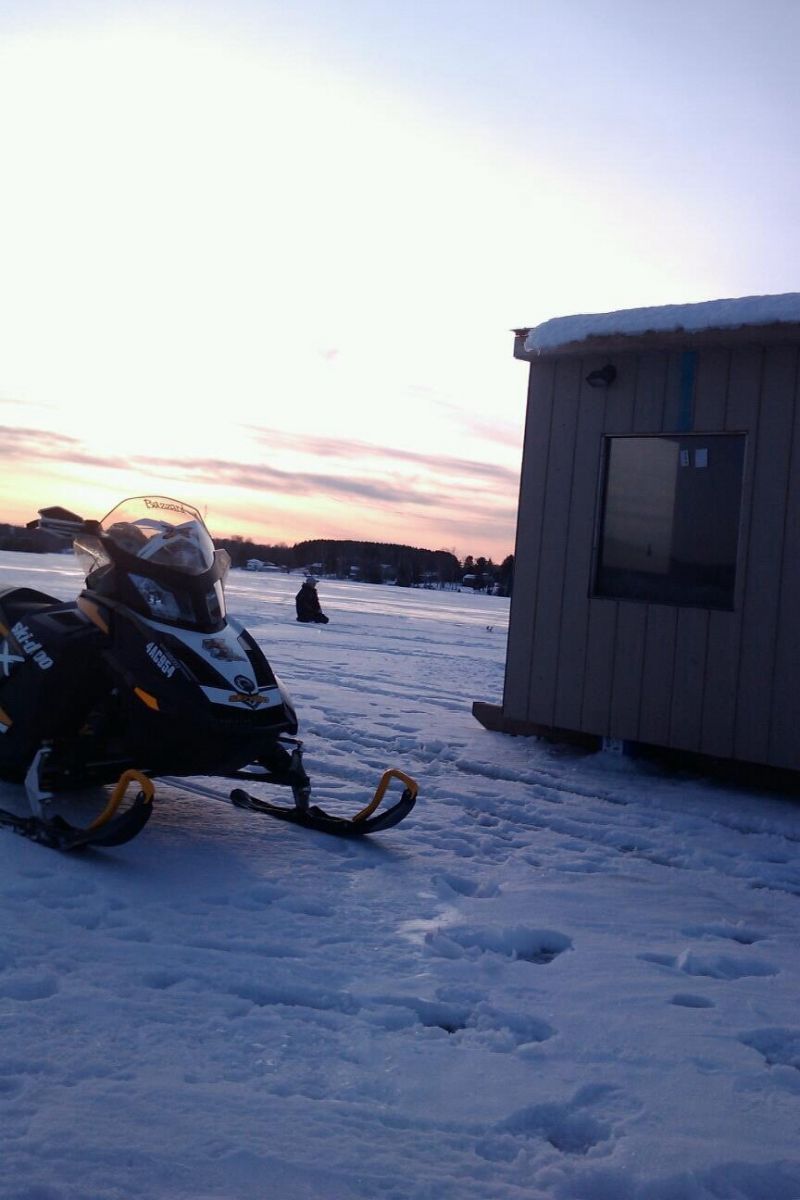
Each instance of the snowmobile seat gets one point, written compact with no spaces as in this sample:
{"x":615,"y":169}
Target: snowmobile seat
{"x":16,"y":603}
{"x":51,"y":674}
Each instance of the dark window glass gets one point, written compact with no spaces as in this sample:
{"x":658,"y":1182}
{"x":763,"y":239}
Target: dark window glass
{"x":670,"y":519}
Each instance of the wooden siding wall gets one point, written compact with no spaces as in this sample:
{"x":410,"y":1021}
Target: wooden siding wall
{"x":720,"y":683}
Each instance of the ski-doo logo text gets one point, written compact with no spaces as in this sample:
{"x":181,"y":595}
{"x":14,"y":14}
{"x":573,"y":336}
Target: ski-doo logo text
{"x":254,"y":701}
{"x":161,"y":660}
{"x":31,"y":647}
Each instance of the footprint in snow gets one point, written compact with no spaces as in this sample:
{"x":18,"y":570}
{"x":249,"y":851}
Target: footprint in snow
{"x":507,"y":1031}
{"x":499,"y":1030}
{"x":25,"y":986}
{"x":734,"y":933}
{"x":447,"y":884}
{"x":161,"y":981}
{"x":518,"y":943}
{"x":133,"y":933}
{"x":779,"y":1047}
{"x":569,"y":1128}
{"x":405,"y":1012}
{"x":35,"y":873}
{"x":712,"y":966}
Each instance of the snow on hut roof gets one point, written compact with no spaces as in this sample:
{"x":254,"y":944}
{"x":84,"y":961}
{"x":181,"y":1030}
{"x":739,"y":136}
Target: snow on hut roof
{"x":666,"y":318}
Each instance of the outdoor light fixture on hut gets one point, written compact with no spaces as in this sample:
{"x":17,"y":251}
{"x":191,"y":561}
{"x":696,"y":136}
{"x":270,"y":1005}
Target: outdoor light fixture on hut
{"x":657,"y":565}
{"x":603,"y":377}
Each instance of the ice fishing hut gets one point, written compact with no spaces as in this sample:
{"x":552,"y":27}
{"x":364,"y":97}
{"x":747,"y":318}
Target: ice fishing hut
{"x":657,"y":567}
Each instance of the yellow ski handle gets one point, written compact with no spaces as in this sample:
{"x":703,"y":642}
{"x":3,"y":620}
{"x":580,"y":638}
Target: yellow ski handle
{"x":120,"y":788}
{"x":380,"y":791}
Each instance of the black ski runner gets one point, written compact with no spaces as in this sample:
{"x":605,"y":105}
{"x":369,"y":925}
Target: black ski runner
{"x":313,"y":817}
{"x":303,"y":813}
{"x":114,"y":828}
{"x":108,"y":829}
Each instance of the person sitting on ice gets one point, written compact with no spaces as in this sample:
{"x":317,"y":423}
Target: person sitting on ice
{"x":307,"y":603}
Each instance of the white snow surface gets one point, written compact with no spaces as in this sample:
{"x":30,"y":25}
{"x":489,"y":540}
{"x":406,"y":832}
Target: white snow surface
{"x":564,"y":976}
{"x":667,"y":318}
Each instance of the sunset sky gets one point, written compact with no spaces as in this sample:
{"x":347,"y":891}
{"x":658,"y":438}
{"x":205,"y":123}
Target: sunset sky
{"x":265,"y":256}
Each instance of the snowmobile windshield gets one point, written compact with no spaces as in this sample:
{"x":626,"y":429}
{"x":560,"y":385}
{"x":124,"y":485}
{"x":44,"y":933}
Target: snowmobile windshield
{"x":159,"y":530}
{"x":170,"y":541}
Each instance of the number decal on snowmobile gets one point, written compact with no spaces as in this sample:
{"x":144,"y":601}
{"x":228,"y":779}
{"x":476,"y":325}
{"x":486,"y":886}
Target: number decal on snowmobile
{"x":161,"y":659}
{"x":31,"y":647}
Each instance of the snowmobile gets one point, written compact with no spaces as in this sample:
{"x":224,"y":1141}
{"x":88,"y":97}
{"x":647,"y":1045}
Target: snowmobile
{"x":144,"y":676}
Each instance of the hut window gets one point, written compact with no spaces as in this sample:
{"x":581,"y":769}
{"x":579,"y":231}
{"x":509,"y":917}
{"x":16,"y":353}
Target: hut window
{"x":669,"y":519}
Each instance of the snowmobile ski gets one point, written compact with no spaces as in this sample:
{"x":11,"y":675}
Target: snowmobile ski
{"x":310,"y":816}
{"x":110,"y":828}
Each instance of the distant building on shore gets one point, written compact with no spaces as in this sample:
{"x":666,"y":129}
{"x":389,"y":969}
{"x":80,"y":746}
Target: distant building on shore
{"x":52,"y":530}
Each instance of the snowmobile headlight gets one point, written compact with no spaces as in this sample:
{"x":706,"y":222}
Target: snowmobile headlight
{"x":164,"y":604}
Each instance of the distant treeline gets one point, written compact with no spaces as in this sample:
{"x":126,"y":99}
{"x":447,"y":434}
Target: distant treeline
{"x":32,"y":541}
{"x":374,"y":562}
{"x":371,"y":562}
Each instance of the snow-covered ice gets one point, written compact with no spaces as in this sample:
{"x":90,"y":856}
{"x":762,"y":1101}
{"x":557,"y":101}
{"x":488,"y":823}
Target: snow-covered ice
{"x":565,"y":976}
